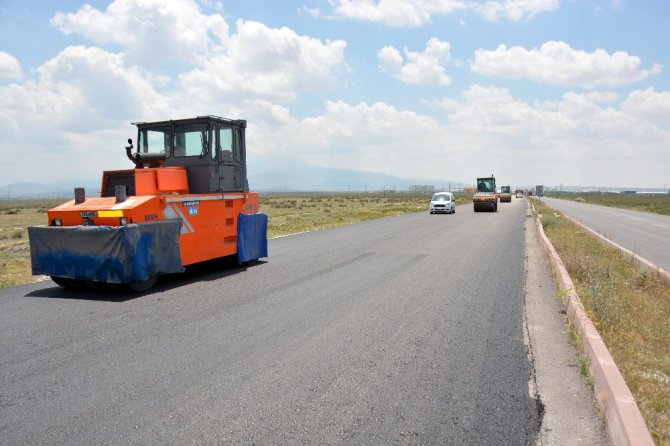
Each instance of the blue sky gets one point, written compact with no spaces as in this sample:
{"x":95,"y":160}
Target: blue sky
{"x":537,"y":91}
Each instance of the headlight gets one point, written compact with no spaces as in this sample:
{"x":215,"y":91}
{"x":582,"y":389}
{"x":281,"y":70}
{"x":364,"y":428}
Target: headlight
{"x":56,"y":222}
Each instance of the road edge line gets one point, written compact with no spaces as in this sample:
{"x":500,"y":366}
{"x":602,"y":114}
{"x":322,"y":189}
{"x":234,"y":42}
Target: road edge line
{"x":639,"y":261}
{"x":625,"y":425}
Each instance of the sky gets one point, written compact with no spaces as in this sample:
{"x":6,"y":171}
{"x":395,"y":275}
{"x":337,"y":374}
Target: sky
{"x":551,"y":92}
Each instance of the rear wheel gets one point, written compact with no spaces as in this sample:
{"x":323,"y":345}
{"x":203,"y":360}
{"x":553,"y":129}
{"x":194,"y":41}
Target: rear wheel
{"x":69,"y":283}
{"x":143,"y":285}
{"x":96,"y":285}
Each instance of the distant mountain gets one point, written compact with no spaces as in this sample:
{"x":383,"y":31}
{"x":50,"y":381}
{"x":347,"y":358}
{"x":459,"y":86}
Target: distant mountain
{"x":60,"y":189}
{"x":268,"y":174}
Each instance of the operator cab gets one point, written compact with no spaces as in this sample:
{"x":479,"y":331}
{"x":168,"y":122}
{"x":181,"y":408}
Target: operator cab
{"x":486,"y":185}
{"x":211,"y":148}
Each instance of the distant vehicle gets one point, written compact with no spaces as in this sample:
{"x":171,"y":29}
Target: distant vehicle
{"x":519,"y":193}
{"x":486,"y":197}
{"x":505,"y":194}
{"x":443,"y":202}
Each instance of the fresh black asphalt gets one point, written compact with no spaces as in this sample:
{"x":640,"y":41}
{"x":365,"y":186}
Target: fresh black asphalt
{"x":401,"y":330}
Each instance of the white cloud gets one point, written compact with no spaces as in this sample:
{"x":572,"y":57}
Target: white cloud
{"x":266,"y":63}
{"x":414,"y":13}
{"x":403,"y":13}
{"x":557,"y":63}
{"x":375,"y":137}
{"x":312,"y":12}
{"x":76,"y":111}
{"x":575,"y":140}
{"x":648,"y":104}
{"x":427,"y":68}
{"x":108,"y":88}
{"x":513,"y":10}
{"x":10,"y":68}
{"x":87,"y":93}
{"x":256,"y":61}
{"x":151,"y":32}
{"x":602,"y":97}
{"x":75,"y":115}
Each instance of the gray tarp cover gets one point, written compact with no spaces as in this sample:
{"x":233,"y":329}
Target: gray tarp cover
{"x":113,"y":254}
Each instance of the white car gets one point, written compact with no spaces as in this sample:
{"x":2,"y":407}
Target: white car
{"x":443,"y":202}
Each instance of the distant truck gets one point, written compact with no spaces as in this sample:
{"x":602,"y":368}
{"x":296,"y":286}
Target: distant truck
{"x":486,"y":198}
{"x":505,"y":194}
{"x":539,"y":191}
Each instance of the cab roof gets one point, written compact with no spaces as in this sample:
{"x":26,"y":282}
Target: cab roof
{"x":204,"y":118}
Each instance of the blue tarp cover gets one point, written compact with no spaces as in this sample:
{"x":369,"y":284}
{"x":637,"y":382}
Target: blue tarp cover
{"x":112,"y":254}
{"x":252,"y":237}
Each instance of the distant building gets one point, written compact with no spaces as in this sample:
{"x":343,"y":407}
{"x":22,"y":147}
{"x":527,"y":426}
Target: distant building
{"x":422,"y":188}
{"x":629,"y":192}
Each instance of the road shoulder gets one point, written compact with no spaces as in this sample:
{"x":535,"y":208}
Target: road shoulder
{"x":570,"y":411}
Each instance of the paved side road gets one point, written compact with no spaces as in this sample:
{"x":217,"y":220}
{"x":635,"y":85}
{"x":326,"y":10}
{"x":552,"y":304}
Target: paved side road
{"x":644,"y":233}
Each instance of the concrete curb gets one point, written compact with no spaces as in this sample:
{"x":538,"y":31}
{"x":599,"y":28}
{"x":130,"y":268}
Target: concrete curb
{"x":625,"y":425}
{"x":640,"y":262}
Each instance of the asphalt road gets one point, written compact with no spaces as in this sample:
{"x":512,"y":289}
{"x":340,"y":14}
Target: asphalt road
{"x":401,"y":330}
{"x":644,"y":233}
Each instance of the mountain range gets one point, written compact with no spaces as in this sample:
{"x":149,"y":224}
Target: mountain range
{"x":285,"y":175}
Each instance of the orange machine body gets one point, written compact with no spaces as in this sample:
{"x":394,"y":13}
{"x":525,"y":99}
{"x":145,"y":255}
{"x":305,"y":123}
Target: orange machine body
{"x":209,"y":221}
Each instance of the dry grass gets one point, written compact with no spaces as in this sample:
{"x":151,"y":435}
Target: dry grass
{"x":287,"y":214}
{"x":631,"y":310}
{"x":15,"y":217}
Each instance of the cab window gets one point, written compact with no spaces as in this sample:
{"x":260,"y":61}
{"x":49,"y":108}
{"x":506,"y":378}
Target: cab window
{"x":154,"y":140}
{"x":224,"y":144}
{"x":191,"y":140}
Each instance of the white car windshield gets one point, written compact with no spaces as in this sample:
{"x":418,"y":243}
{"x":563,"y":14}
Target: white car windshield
{"x":440,"y":197}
